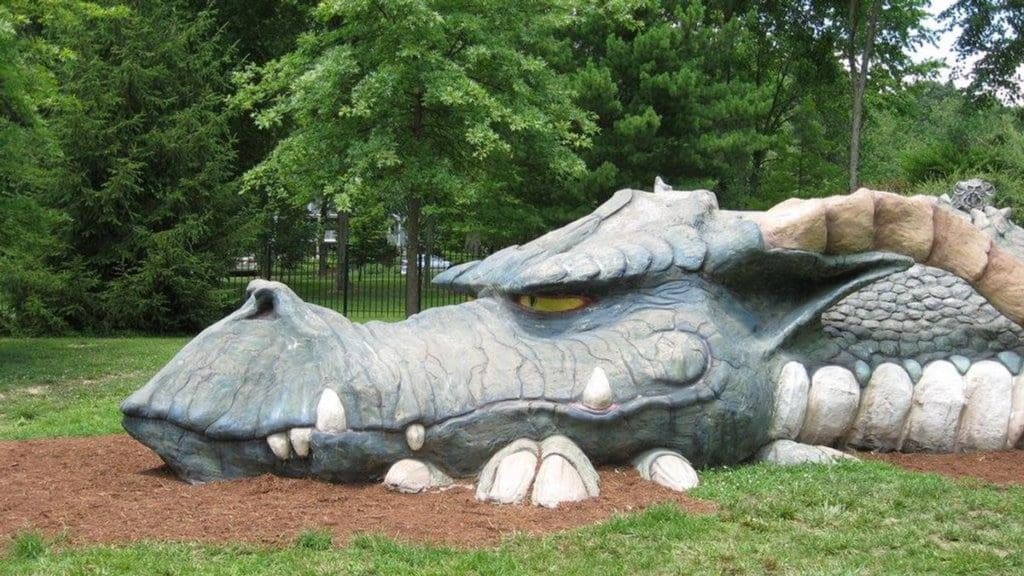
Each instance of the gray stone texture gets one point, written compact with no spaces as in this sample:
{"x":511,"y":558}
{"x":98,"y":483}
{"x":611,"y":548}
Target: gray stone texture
{"x":790,"y":453}
{"x":988,"y":396}
{"x":935,"y":410}
{"x":694,"y":343}
{"x":1015,"y":428}
{"x":937,"y":315}
{"x":791,"y":388}
{"x":831,"y":406}
{"x":883,"y":409}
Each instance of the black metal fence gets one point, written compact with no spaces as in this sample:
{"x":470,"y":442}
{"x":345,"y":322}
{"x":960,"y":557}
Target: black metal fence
{"x":361,"y":290}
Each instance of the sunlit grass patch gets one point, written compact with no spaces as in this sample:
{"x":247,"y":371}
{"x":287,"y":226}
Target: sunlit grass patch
{"x":73,"y":386}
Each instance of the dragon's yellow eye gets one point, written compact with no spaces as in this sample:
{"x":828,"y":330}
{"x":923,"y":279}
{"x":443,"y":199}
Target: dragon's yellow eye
{"x":538,"y":303}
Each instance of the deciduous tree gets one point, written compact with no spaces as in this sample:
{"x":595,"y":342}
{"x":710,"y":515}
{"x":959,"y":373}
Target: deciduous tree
{"x":417,"y":103}
{"x":993,"y":32}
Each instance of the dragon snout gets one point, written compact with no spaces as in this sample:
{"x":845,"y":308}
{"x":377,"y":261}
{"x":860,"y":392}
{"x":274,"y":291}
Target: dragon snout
{"x":687,"y":357}
{"x":671,"y":360}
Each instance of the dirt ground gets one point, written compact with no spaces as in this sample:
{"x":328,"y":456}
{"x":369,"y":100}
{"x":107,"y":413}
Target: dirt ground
{"x":993,"y":467}
{"x":112,"y":489}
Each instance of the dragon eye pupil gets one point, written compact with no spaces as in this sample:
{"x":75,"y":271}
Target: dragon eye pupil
{"x":551,"y":304}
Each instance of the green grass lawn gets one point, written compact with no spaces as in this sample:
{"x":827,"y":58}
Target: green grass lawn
{"x":73,"y":386}
{"x":867,"y":518}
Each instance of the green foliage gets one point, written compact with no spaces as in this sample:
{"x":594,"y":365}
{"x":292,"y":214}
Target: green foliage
{"x":27,"y":546}
{"x":447,"y":103}
{"x":39,"y":293}
{"x":152,"y":208}
{"x":37,"y":277}
{"x":993,"y":34}
{"x":724,"y":95}
{"x":369,"y":227}
{"x":283,"y":226}
{"x":315,"y":540}
{"x":663,"y":82}
{"x":124,"y":142}
{"x":119,"y":210}
{"x":810,"y":160}
{"x":955,"y":139}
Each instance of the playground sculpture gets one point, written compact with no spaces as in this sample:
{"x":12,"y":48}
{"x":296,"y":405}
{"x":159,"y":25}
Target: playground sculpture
{"x":658,"y":330}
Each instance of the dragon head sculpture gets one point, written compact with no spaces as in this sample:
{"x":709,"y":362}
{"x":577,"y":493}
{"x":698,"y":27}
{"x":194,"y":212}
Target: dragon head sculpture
{"x":658,"y":328}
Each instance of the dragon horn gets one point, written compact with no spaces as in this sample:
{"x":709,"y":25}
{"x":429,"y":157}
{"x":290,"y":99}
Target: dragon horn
{"x":915,"y":226}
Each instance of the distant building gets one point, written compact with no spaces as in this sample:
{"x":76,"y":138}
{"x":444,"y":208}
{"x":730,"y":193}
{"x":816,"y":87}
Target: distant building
{"x":396,"y":233}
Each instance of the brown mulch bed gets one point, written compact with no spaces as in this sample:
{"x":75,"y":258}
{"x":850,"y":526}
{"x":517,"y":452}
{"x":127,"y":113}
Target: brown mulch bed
{"x":1005,"y":467}
{"x":112,"y":489}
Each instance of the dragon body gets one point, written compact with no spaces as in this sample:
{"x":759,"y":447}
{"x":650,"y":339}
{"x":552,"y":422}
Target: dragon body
{"x":658,"y":330}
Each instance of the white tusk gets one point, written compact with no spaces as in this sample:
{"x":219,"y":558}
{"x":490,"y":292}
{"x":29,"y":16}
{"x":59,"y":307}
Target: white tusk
{"x":598,"y":393}
{"x":414,"y":436}
{"x":330,"y":414}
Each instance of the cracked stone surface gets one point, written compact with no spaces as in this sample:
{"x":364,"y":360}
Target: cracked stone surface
{"x":696,"y":333}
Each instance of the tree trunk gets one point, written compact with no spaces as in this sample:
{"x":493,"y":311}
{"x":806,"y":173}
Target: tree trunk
{"x":412,"y":251}
{"x":321,"y":246}
{"x":757,"y":161}
{"x":264,"y":259}
{"x":859,"y":80}
{"x":341,"y":247}
{"x":858,"y":113}
{"x":412,"y":223}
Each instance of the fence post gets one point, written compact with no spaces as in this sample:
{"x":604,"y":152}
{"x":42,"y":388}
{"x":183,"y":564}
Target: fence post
{"x":419,"y":280}
{"x":268,"y":261}
{"x":345,"y":276}
{"x":341,"y":245}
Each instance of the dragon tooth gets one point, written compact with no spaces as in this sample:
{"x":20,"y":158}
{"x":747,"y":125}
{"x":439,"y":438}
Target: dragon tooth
{"x":988,"y":397}
{"x":883,"y":409}
{"x":831,"y":405}
{"x":330,"y":413}
{"x":790,"y":403}
{"x":413,"y":476}
{"x":598,"y":393}
{"x":667,"y":468}
{"x":414,"y":435}
{"x":938,"y":399}
{"x":1015,"y":429}
{"x":300,"y":440}
{"x":279,"y":445}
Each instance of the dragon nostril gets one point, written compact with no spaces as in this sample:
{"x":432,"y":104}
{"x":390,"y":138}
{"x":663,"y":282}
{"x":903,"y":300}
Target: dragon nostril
{"x":686,"y":357}
{"x":264,"y":305}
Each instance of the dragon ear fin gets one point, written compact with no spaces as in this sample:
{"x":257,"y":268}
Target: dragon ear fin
{"x":788,"y":290}
{"x":828,"y":247}
{"x":919,"y":227}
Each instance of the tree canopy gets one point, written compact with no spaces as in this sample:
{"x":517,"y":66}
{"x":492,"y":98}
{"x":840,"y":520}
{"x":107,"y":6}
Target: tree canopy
{"x":146,"y":147}
{"x":413,"y":103}
{"x":991,"y":32}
